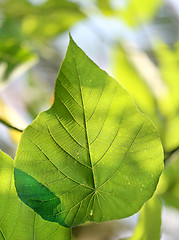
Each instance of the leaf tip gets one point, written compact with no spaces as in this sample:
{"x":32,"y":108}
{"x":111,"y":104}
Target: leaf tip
{"x":71,"y":39}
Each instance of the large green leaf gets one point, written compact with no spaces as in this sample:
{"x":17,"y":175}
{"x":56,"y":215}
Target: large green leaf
{"x":149,"y":224}
{"x":92,"y":149}
{"x":18,"y":221}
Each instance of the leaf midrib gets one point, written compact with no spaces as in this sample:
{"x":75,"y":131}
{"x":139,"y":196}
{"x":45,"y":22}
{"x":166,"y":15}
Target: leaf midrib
{"x":85,"y":124}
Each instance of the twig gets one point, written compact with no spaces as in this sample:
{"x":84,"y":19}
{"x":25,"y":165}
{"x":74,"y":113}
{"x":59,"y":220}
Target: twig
{"x":9,"y":125}
{"x":169,"y":154}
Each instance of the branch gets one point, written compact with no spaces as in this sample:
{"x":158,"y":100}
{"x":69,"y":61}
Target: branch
{"x":9,"y":125}
{"x":169,"y":154}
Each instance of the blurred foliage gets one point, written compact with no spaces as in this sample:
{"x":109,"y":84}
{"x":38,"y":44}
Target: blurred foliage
{"x":41,"y":21}
{"x":126,"y":73}
{"x":168,"y":60}
{"x":149,"y":223}
{"x":14,"y":57}
{"x":25,"y":29}
{"x":168,"y":187}
{"x":105,"y":6}
{"x":137,"y":13}
{"x":131,"y":11}
{"x":9,"y":115}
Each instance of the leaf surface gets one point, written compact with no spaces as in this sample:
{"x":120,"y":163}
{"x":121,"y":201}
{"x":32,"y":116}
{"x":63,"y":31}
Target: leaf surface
{"x":18,"y":221}
{"x":92,"y":149}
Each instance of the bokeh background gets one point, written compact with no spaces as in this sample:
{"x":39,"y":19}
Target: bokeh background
{"x":136,"y":42}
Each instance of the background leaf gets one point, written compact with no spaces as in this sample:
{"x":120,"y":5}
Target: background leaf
{"x":149,"y":223}
{"x":18,"y":221}
{"x":32,"y":21}
{"x":136,"y":13}
{"x":16,"y":59}
{"x":168,"y":60}
{"x":168,"y":187}
{"x":91,"y":153}
{"x":127,"y":74}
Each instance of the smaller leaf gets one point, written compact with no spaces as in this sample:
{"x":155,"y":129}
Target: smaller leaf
{"x":149,"y":223}
{"x":168,"y":187}
{"x":18,"y":221}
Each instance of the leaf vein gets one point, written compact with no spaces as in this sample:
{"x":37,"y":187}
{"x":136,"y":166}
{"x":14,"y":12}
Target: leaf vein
{"x":55,"y":165}
{"x":104,"y":120}
{"x":69,"y":94}
{"x":68,"y":80}
{"x":124,"y":157}
{"x":70,"y":112}
{"x":64,"y":149}
{"x":68,"y":131}
{"x":96,"y":104}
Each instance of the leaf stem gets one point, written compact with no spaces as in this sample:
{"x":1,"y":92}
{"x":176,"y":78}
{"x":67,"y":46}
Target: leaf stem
{"x":9,"y":125}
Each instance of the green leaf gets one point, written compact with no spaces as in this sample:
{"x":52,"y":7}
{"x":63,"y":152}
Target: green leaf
{"x":149,"y":224}
{"x":17,"y":221}
{"x":92,"y":149}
